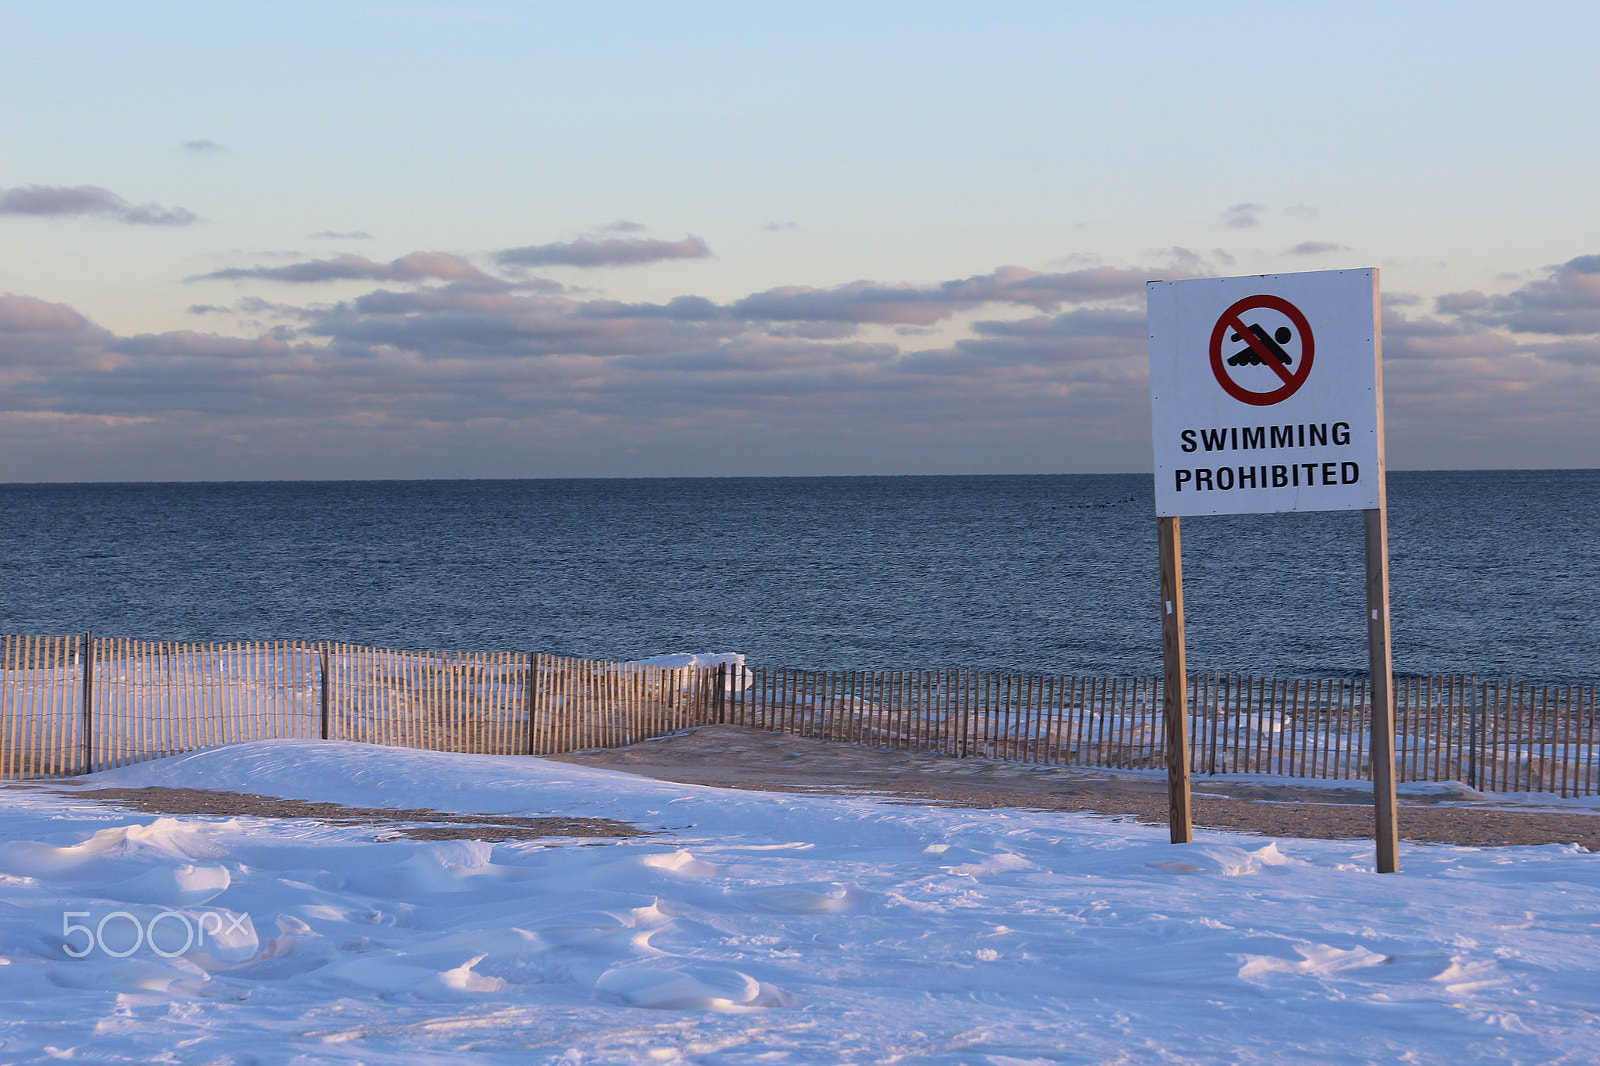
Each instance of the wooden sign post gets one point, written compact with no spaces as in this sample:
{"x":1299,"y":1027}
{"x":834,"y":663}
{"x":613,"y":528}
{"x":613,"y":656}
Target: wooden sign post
{"x":1175,"y":683}
{"x":1380,"y":668}
{"x":1266,"y":395}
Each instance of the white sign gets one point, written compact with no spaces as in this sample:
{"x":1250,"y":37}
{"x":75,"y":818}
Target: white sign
{"x":1266,"y":393}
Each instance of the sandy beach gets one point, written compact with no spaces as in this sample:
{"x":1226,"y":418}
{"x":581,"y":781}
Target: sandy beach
{"x":736,"y":757}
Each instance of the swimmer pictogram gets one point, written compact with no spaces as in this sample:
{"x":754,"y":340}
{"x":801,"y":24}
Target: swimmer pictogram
{"x":1249,"y":356}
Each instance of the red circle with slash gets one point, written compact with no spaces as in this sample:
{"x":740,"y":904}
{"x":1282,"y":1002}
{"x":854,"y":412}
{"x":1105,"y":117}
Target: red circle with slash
{"x":1232,"y":321}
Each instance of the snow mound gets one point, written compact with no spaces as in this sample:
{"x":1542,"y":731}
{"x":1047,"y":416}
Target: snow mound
{"x":753,"y":927}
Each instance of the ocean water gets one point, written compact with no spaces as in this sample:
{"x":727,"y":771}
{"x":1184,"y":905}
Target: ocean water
{"x":1493,"y":572}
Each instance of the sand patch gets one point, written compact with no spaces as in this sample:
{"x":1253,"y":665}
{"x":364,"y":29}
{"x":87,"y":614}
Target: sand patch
{"x":736,"y":757}
{"x":418,"y":824}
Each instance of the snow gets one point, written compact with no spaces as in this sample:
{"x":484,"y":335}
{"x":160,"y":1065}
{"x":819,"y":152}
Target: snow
{"x":757,"y":928}
{"x":738,"y":678}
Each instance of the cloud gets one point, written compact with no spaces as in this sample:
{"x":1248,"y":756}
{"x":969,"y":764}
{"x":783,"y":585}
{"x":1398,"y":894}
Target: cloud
{"x":779,"y":227}
{"x":39,"y":339}
{"x":1101,"y":344}
{"x":447,"y":377}
{"x":1584,"y":352}
{"x":1565,"y":302}
{"x":349,"y":235}
{"x":1049,"y":291}
{"x":817,"y":331}
{"x":255,"y":308}
{"x":1243,"y":216}
{"x":610,"y":251}
{"x":681,"y":308}
{"x":61,"y":200}
{"x":454,"y":355}
{"x":1471,"y":300}
{"x":771,"y":357}
{"x":1316,"y":248}
{"x":1179,"y":262}
{"x":24,"y":315}
{"x":1465,"y":387}
{"x":204,"y":145}
{"x":1436,"y":339}
{"x":870,"y":302}
{"x":414,"y":267}
{"x":187,"y":343}
{"x":861,"y":301}
{"x":622,"y":225}
{"x":447,"y":323}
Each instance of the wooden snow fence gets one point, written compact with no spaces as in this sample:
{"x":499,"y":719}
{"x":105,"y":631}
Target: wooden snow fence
{"x":64,"y":712}
{"x":76,"y":703}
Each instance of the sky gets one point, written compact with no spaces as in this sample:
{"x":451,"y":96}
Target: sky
{"x":418,"y":240}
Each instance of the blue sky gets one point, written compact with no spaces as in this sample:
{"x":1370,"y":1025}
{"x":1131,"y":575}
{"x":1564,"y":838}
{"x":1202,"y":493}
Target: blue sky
{"x":282,"y":240}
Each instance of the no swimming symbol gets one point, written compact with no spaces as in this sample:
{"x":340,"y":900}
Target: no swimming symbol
{"x":1257,"y":322}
